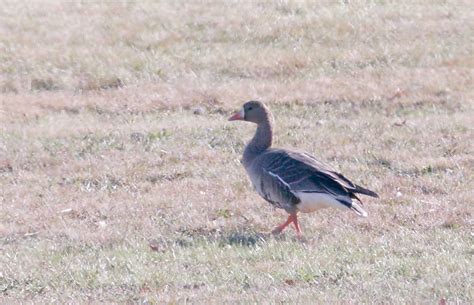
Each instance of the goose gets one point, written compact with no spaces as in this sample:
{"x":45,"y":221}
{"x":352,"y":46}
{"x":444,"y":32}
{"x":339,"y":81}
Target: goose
{"x":291,"y":180}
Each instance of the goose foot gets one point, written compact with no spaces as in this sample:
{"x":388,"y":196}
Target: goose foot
{"x":291,"y":219}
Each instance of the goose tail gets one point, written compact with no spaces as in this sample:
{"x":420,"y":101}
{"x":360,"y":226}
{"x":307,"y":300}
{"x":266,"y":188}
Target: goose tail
{"x":362,"y":190}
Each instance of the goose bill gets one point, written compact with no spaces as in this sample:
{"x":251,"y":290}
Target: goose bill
{"x":239,"y":115}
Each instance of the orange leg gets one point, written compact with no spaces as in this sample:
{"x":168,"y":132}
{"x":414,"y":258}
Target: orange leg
{"x":297,"y":227}
{"x":291,"y":219}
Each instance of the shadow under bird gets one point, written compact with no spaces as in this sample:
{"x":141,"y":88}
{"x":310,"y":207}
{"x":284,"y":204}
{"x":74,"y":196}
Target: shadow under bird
{"x":291,"y":180}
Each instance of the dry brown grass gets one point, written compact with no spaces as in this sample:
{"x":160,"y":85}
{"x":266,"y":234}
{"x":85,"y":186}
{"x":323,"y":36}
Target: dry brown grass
{"x":120,"y":176}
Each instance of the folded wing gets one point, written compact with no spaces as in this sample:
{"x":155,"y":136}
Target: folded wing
{"x":301,"y":173}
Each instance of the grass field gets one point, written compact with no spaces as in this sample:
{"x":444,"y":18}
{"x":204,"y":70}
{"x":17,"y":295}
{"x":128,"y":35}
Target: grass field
{"x":120,"y":178}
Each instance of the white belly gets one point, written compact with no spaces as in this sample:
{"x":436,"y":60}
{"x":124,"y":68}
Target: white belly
{"x":311,"y":202}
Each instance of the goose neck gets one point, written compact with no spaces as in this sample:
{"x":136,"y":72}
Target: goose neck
{"x":261,"y":141}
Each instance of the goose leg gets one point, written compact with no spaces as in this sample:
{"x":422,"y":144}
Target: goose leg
{"x":297,"y":227}
{"x":291,"y":219}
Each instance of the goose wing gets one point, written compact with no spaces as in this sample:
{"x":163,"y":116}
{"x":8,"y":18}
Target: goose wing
{"x":276,"y":191}
{"x":301,"y":173}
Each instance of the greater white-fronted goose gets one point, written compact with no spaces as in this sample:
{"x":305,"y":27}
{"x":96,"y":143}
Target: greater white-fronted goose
{"x":290,"y":180}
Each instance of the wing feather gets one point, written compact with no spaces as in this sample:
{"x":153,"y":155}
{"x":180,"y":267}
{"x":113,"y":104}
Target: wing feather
{"x":300,"y":172}
{"x":276,"y":190}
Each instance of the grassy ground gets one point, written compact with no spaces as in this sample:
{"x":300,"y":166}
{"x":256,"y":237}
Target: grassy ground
{"x":120,"y":176}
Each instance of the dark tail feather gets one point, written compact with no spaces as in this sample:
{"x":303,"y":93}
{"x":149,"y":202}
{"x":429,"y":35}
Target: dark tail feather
{"x":360,"y":190}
